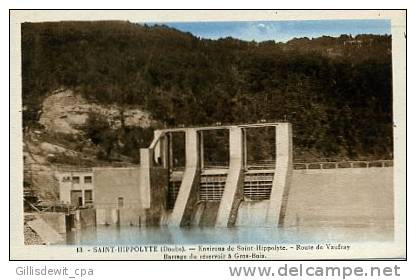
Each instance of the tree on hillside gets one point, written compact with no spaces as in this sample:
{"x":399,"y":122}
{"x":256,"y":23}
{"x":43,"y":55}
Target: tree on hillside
{"x":99,"y":131}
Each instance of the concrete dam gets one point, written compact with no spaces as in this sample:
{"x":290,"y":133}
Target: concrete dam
{"x":192,"y":192}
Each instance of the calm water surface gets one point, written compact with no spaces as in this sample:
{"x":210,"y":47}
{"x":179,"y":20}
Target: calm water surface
{"x":129,"y":235}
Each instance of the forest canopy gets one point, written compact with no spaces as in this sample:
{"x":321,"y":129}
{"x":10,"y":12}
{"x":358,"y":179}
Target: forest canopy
{"x":337,"y":92}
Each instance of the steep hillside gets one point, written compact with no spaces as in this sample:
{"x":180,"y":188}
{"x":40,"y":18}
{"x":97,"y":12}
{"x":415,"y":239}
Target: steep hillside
{"x":337,"y":92}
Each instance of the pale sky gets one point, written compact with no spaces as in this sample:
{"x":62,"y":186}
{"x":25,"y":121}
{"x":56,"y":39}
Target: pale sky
{"x":281,"y":31}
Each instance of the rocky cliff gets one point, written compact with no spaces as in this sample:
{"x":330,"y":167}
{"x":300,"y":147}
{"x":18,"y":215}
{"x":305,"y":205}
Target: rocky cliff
{"x":64,"y":111}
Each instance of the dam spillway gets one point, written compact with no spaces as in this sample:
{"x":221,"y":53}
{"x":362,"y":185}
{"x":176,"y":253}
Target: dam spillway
{"x":227,"y":185}
{"x":176,"y":186}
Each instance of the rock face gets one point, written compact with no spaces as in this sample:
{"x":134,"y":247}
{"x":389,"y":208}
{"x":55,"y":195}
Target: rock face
{"x":65,"y":112}
{"x":38,"y":173}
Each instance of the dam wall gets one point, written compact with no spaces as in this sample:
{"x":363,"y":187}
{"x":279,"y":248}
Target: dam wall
{"x":331,"y":197}
{"x":242,"y":192}
{"x":341,"y":197}
{"x":313,"y":197}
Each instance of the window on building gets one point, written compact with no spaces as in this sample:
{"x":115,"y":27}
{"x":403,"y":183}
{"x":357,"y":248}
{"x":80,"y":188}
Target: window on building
{"x":66,"y":179}
{"x":76,"y":198}
{"x":88,"y":179}
{"x":120,"y":202}
{"x":75,"y":179}
{"x":88,"y":197}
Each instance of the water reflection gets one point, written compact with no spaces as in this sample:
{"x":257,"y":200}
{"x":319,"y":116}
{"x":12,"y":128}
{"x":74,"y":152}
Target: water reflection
{"x":113,"y":235}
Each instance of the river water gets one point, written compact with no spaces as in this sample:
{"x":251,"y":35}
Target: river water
{"x":130,"y":235}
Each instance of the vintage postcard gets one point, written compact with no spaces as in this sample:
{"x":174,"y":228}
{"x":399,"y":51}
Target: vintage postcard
{"x":208,"y":135}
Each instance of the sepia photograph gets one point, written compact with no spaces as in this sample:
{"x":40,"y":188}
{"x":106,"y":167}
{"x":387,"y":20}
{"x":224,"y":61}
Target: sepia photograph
{"x":205,"y":135}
